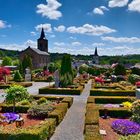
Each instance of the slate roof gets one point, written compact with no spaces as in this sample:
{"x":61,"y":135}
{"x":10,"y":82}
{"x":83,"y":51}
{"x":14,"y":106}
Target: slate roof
{"x":39,"y":52}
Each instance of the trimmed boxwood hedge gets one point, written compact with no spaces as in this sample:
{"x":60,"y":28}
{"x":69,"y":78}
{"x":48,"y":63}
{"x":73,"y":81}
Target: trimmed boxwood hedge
{"x":24,"y":84}
{"x":99,"y":92}
{"x":116,"y":112}
{"x":61,"y":91}
{"x":91,"y":129}
{"x":18,"y":109}
{"x":39,"y":132}
{"x":109,"y":99}
{"x":59,"y":112}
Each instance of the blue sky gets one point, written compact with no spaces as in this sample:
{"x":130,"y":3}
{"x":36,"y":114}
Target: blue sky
{"x":72,"y":26}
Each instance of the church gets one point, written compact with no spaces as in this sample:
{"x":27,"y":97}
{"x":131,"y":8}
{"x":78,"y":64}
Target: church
{"x":95,"y":57}
{"x":40,"y":56}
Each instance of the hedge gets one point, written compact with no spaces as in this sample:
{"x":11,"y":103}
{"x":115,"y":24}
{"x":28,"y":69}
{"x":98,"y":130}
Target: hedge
{"x":39,"y":132}
{"x":99,"y":92}
{"x":116,"y":112}
{"x":24,"y":84}
{"x":68,"y":100}
{"x":61,"y":91}
{"x":109,"y":99}
{"x":59,"y":112}
{"x":91,"y":129}
{"x":18,"y":109}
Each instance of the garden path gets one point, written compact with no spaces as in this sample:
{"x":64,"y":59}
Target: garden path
{"x":72,"y":126}
{"x":33,"y":90}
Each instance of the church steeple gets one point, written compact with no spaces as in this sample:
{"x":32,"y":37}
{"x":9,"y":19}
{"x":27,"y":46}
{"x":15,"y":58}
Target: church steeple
{"x":42,"y":35}
{"x":96,"y":53}
{"x":42,"y":42}
{"x":95,"y":57}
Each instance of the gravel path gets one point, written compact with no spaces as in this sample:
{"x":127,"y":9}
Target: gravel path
{"x":72,"y":126}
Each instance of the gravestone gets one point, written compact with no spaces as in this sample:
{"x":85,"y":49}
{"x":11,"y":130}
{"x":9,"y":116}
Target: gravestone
{"x":138,"y":93}
{"x":56,"y":78}
{"x":27,"y":74}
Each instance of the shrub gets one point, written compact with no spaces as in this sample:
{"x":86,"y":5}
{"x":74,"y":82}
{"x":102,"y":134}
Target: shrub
{"x":133,"y":78}
{"x":40,"y":111}
{"x":50,"y":78}
{"x":17,"y":76}
{"x":120,"y":70}
{"x":130,"y":137}
{"x":15,"y":94}
{"x":136,"y":111}
{"x":125,"y":127}
{"x":42,"y":100}
{"x":83,"y":68}
{"x":24,"y":102}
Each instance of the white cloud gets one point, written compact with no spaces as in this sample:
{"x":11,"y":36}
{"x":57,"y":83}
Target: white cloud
{"x":19,"y":47}
{"x":88,"y":29}
{"x":60,"y":28}
{"x":98,"y":44}
{"x":117,"y":3}
{"x":100,"y":10}
{"x":50,"y":10}
{"x":47,"y":27}
{"x":121,"y":39}
{"x":4,"y":25}
{"x":59,"y":44}
{"x":30,"y":43}
{"x":104,"y":8}
{"x":76,"y":43}
{"x":33,"y":33}
{"x":134,"y":6}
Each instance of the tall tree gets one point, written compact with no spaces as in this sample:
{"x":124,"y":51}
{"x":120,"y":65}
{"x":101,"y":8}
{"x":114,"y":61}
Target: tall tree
{"x":66,"y":71}
{"x":26,"y":62}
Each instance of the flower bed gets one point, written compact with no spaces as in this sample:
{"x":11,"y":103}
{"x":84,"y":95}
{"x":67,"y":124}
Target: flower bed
{"x":125,"y":127}
{"x":38,"y":128}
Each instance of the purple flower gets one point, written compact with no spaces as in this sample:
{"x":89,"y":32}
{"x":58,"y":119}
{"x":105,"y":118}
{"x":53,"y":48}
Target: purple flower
{"x":112,"y":105}
{"x":125,"y":127}
{"x":11,"y":116}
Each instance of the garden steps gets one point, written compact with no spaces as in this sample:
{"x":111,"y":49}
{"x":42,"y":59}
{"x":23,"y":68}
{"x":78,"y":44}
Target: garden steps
{"x":72,"y":126}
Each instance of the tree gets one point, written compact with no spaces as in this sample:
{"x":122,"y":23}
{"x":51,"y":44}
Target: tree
{"x":17,"y":76}
{"x":16,"y":93}
{"x":3,"y":73}
{"x":7,"y":61}
{"x":26,"y":62}
{"x":120,"y":70}
{"x":66,"y":71}
{"x":51,"y":67}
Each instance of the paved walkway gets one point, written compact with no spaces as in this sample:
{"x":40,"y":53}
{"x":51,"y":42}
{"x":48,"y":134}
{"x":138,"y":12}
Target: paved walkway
{"x":33,"y":90}
{"x":72,"y":126}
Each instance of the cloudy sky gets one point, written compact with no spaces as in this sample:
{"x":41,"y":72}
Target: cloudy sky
{"x":72,"y":26}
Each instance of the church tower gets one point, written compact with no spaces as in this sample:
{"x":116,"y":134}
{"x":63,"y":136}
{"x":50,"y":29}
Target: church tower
{"x":96,"y":57}
{"x":42,"y":42}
